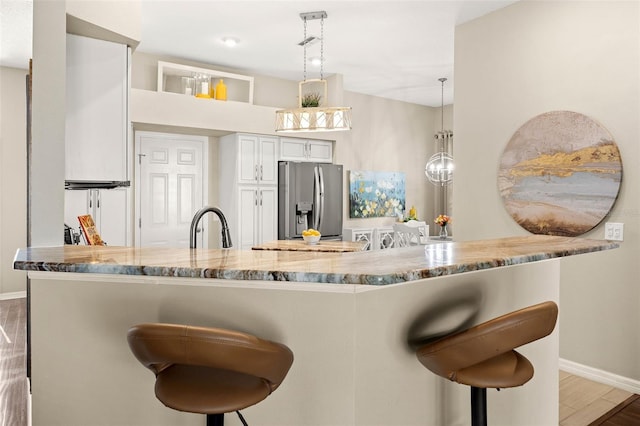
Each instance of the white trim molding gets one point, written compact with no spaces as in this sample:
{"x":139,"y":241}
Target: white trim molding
{"x":13,"y":295}
{"x":600,"y":376}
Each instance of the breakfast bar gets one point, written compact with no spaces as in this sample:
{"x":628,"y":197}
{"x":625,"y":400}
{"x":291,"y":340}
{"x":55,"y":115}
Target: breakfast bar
{"x":352,"y":320}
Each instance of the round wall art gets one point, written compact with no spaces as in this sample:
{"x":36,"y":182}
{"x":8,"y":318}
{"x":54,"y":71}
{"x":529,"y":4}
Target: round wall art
{"x":560,"y":174}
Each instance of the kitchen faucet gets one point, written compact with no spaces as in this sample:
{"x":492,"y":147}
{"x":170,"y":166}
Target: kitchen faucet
{"x":226,"y":236}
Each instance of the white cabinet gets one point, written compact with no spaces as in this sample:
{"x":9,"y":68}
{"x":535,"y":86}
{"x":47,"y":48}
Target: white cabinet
{"x":108,"y":207}
{"x":97,"y":119}
{"x":311,"y":150}
{"x":249,"y":188}
{"x":257,"y":158}
{"x":258,"y":221}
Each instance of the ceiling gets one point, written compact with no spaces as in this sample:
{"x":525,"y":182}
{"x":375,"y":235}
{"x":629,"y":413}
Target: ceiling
{"x":394,"y":49}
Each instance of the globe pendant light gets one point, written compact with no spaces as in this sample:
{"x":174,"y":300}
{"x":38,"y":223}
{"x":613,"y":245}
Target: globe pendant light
{"x":439,"y":168}
{"x":311,"y":116}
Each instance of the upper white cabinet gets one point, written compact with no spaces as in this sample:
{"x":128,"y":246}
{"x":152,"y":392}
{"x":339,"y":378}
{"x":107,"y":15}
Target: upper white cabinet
{"x":257,"y":159}
{"x":97,"y":121}
{"x":310,"y":150}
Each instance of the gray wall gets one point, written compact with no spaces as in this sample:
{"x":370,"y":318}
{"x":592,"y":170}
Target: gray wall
{"x":539,"y":56}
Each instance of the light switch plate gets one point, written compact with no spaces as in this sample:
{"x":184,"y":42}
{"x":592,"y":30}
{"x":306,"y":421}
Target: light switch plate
{"x":613,"y":231}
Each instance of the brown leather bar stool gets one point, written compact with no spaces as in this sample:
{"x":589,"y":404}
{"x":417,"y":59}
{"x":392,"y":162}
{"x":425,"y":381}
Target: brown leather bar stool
{"x":483,"y":356}
{"x":210,"y":371}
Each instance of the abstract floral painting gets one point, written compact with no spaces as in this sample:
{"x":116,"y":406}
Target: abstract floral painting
{"x":376,"y":194}
{"x":560,"y":174}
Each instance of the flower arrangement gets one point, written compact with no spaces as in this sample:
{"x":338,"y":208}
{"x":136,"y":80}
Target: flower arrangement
{"x":442,"y":220}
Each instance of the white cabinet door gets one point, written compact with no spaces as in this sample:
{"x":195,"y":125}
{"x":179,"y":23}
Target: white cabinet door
{"x":247,"y":217}
{"x":258,"y":216}
{"x":320,"y":151}
{"x":111,"y":206}
{"x":257,"y":159}
{"x":96,"y":110}
{"x":317,"y":151}
{"x":268,"y":160}
{"x":293,"y":149}
{"x":247,"y":159}
{"x":267,"y":215}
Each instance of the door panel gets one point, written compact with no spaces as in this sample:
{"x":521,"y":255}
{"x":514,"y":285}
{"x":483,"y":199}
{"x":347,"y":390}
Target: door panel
{"x":158,"y":199}
{"x":247,"y":217}
{"x":170,"y":187}
{"x":112,"y":210}
{"x":268,"y":160}
{"x":248,"y":160}
{"x":268,"y":208}
{"x":332,"y":220}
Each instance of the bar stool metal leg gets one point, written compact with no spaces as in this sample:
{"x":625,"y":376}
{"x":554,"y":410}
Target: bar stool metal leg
{"x":478,"y":406}
{"x":215,"y":419}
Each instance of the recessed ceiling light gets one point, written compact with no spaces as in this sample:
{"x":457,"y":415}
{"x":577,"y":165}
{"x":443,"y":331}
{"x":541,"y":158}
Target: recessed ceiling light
{"x":230,"y":42}
{"x":316,"y":62}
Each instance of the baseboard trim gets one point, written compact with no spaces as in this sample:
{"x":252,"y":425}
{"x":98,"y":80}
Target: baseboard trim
{"x":600,"y":376}
{"x":13,"y":295}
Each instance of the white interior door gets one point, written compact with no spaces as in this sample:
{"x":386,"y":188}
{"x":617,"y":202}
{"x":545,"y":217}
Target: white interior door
{"x":170,"y":188}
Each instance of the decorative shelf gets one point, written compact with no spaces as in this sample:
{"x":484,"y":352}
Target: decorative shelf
{"x":239,"y":87}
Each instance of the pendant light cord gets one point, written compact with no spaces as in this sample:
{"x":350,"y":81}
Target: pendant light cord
{"x":305,"y":50}
{"x":442,"y":105}
{"x":322,"y":48}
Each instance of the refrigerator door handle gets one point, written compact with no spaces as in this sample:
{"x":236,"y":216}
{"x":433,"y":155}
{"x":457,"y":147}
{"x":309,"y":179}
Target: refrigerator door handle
{"x":321,"y":215}
{"x":316,"y":198}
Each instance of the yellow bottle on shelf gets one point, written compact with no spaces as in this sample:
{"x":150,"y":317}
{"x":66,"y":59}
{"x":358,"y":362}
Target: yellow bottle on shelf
{"x":413,"y":214}
{"x":221,"y":91}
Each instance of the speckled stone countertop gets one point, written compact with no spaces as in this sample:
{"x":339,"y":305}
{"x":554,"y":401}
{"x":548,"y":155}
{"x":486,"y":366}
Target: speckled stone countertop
{"x":322,"y":245}
{"x":378,"y":267}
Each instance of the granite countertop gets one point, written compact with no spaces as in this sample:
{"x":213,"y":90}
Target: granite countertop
{"x":322,"y":245}
{"x":378,"y":267}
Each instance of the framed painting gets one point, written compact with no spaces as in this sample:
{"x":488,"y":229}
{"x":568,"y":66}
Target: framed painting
{"x":376,"y":194}
{"x":560,"y":174}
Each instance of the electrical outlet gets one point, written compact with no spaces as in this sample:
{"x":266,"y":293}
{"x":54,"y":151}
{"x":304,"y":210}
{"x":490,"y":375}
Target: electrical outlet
{"x":613,"y":231}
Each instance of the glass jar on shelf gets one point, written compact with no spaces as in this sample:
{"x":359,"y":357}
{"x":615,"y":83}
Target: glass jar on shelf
{"x":203,"y":82}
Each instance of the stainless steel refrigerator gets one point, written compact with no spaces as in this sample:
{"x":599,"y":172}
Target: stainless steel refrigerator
{"x":309,"y":196}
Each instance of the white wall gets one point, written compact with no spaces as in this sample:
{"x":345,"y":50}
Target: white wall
{"x":13,"y":175}
{"x":48,"y":123}
{"x":539,"y":56}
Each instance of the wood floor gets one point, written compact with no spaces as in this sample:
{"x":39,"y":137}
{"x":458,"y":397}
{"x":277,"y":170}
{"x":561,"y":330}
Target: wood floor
{"x":581,"y":401}
{"x":13,"y":378}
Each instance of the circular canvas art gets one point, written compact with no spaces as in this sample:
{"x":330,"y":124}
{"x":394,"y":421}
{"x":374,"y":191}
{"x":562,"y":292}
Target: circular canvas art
{"x":560,"y":174}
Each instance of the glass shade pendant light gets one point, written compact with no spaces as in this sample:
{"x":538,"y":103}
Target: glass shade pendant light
{"x":439,"y":168}
{"x":311,"y":116}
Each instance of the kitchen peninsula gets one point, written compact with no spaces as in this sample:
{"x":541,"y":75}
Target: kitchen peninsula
{"x":351,"y":319}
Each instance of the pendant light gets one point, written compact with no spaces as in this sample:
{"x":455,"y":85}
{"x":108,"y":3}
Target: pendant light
{"x":439,"y":168}
{"x":311,"y":115}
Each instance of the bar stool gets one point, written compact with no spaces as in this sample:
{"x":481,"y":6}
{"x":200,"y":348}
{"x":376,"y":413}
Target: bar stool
{"x":209,"y":371}
{"x":483,"y":356}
